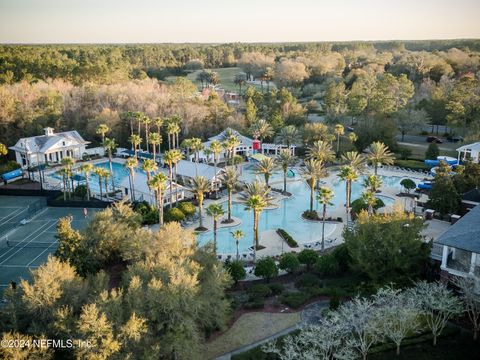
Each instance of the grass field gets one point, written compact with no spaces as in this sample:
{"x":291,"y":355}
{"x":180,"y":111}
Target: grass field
{"x":26,"y":246}
{"x":248,"y":329}
{"x":226,"y":78}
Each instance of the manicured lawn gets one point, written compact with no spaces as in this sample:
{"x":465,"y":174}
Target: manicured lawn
{"x":418,"y":150}
{"x":226,"y":78}
{"x":249,"y":328}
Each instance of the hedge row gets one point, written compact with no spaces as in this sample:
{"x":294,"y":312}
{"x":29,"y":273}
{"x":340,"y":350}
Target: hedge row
{"x":287,"y":237}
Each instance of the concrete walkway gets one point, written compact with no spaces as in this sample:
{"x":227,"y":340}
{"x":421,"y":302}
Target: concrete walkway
{"x":310,"y":315}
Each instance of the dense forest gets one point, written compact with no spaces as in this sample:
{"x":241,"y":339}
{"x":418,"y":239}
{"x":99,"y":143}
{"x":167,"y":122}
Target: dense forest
{"x":397,"y":86}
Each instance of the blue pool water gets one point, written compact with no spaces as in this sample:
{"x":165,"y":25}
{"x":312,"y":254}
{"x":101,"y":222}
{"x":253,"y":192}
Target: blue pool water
{"x":119,"y":174}
{"x":288,"y":216}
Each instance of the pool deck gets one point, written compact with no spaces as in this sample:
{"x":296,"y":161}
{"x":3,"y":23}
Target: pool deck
{"x":273,"y":242}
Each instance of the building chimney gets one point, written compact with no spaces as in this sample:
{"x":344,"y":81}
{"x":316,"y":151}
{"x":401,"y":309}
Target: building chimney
{"x":48,"y":131}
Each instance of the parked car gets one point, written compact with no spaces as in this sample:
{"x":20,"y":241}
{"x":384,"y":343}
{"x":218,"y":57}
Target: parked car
{"x":455,"y":139}
{"x":434,"y":139}
{"x":350,"y":129}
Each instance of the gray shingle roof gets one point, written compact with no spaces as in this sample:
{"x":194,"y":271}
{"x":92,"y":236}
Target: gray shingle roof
{"x":465,"y":233}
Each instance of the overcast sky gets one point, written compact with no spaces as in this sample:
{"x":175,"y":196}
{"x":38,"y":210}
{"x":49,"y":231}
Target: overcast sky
{"x":132,"y":21}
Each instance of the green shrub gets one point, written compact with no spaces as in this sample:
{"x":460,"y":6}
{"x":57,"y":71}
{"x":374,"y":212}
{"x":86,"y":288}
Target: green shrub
{"x":149,"y":213}
{"x":432,"y":151}
{"x":343,"y":257}
{"x":256,"y":303}
{"x":236,"y":270}
{"x":286,"y":236}
{"x":81,"y":191}
{"x":327,"y":265}
{"x":295,"y":299}
{"x":334,"y":300}
{"x":308,"y":280}
{"x":408,"y":184}
{"x":311,"y":215}
{"x":289,"y":262}
{"x":187,"y":208}
{"x":308,"y":257}
{"x":174,"y":214}
{"x":259,"y":290}
{"x":276,"y":288}
{"x":266,"y":268}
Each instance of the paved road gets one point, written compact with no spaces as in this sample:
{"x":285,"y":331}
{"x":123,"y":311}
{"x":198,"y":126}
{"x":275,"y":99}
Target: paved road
{"x":310,"y":315}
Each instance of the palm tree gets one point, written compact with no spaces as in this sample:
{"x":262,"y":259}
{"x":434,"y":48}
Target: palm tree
{"x":86,"y":169}
{"x":103,"y":174}
{"x":158,"y":121}
{"x":261,"y":129}
{"x":355,"y":160}
{"x":232,"y":143}
{"x":285,"y":159}
{"x":158,"y":184}
{"x":136,"y":140}
{"x":197,"y":146}
{"x":240,"y":80}
{"x":171,"y":130}
{"x":352,"y":137}
{"x":216,"y":149}
{"x":369,"y":198}
{"x":110,"y":145}
{"x":266,"y":167}
{"x":256,"y":197}
{"x":348,"y":174}
{"x":216,"y":212}
{"x":314,"y":170}
{"x":169,"y":159}
{"x":321,"y":150}
{"x":99,"y":172}
{"x":324,"y":197}
{"x":230,"y":180}
{"x":200,"y":185}
{"x":131,"y":164}
{"x":131,"y":116}
{"x":63,"y":173}
{"x":372,"y":183}
{"x":177,"y":156}
{"x":102,"y":130}
{"x":339,"y":130}
{"x":288,"y":136}
{"x":146,"y":121}
{"x":378,"y":153}
{"x":268,"y":76}
{"x":149,"y":166}
{"x":238,"y":235}
{"x":139,"y":116}
{"x":68,"y":162}
{"x":155,"y":140}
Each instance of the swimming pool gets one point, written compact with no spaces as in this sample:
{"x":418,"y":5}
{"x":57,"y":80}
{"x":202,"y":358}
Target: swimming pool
{"x":288,"y":216}
{"x":119,"y":175}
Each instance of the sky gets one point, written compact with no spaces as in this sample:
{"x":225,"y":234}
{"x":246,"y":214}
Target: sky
{"x":219,"y":21}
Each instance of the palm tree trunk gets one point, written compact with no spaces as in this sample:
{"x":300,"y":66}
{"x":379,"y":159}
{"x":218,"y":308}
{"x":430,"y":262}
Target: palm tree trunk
{"x":215,"y":176}
{"x":170,"y":174}
{"x":160,"y":208}
{"x":64,"y":189}
{"x":312,"y":187}
{"x":111,"y":170}
{"x":176,"y":138}
{"x":323,"y":225}
{"x":376,"y":168}
{"x":338,"y":143}
{"x":88,"y":187}
{"x":200,"y":212}
{"x":133,"y":185}
{"x":284,"y":181}
{"x":230,"y":195}
{"x":100,"y":186}
{"x":255,"y":230}
{"x":215,"y":236}
{"x":146,"y":137}
{"x":106,"y":187}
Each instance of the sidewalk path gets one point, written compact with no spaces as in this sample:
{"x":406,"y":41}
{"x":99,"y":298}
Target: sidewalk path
{"x":310,"y":315}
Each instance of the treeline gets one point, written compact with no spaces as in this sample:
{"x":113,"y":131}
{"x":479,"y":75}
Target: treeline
{"x":110,"y":63}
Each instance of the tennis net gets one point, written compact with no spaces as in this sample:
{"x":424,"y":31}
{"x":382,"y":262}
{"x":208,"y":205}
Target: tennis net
{"x":25,"y":214}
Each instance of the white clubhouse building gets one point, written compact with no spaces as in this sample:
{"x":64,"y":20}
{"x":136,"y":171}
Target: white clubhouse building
{"x":49,"y":148}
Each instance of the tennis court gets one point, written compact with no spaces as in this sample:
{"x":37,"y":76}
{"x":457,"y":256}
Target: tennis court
{"x":26,"y":240}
